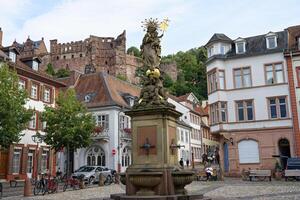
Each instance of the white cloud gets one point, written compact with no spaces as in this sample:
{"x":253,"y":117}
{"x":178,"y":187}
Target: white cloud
{"x":76,"y":20}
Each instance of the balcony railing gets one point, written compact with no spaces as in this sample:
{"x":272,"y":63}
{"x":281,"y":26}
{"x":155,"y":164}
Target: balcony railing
{"x":125,"y":135}
{"x":103,"y":135}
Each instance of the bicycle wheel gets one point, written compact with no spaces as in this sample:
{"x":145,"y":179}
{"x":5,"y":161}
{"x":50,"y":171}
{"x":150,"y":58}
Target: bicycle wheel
{"x":65,"y":187}
{"x":108,"y":180}
{"x":37,"y":188}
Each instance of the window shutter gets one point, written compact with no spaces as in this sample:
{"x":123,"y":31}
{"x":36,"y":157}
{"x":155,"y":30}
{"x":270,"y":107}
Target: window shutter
{"x":248,"y":151}
{"x":42,"y":87}
{"x":23,"y":163}
{"x":39,"y":121}
{"x":51,"y":95}
{"x":29,"y":87}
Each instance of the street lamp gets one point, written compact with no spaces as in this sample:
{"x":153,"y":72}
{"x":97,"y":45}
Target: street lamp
{"x":37,"y":138}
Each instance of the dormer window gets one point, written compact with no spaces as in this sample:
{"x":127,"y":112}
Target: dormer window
{"x":131,"y":102}
{"x":271,"y":42}
{"x":35,"y":65}
{"x":240,"y":47}
{"x":87,"y":98}
{"x":12,"y":56}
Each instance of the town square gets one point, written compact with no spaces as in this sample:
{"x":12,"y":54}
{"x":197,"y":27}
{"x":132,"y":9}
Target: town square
{"x":133,"y":100}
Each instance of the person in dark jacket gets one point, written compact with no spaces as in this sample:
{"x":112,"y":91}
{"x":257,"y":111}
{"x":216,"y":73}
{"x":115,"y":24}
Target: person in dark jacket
{"x":181,"y":162}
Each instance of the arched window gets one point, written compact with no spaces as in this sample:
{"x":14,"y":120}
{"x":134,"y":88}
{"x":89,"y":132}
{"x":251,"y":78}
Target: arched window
{"x":96,"y":156}
{"x":126,"y":157}
{"x":248,"y":151}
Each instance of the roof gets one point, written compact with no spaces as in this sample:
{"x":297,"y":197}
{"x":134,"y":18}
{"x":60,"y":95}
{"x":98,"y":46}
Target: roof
{"x":182,"y":123}
{"x":104,"y":90}
{"x":255,"y":45}
{"x":218,"y":37}
{"x":3,"y":56}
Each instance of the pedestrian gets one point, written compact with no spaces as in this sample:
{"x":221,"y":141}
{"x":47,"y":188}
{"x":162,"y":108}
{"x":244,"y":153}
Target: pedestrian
{"x":181,"y":162}
{"x":187,"y":162}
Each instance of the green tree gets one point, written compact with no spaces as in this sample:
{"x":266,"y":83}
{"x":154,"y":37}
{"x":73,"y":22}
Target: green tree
{"x":136,"y":52}
{"x":50,"y":69}
{"x":14,"y":117}
{"x":61,"y":73}
{"x":68,"y":124}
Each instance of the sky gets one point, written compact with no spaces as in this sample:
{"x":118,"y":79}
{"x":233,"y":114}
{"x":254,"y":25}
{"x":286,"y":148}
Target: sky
{"x":192,"y":22}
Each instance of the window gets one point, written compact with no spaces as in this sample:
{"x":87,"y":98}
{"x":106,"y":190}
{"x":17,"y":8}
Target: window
{"x":182,"y":135}
{"x":35,"y":65}
{"x":47,"y":93}
{"x":22,"y":84}
{"x":222,"y":79}
{"x":186,"y":136}
{"x":271,"y":42}
{"x":245,"y":110}
{"x":32,"y":122}
{"x":223,"y":49}
{"x":248,"y":151}
{"x":16,"y":161}
{"x":102,"y":120}
{"x":126,"y":157}
{"x":274,"y":73}
{"x":218,"y":112}
{"x":216,"y":80}
{"x":12,"y":56}
{"x":242,"y":77}
{"x":277,"y":107}
{"x":34,"y":91}
{"x":240,"y":47}
{"x":124,"y":122}
{"x":210,"y":51}
{"x":44,"y":160}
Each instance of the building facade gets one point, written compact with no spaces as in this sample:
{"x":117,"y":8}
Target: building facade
{"x":28,"y":158}
{"x":249,"y":101}
{"x":292,"y":56}
{"x":107,"y":98}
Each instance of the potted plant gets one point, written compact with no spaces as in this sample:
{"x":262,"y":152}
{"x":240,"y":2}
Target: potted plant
{"x":278,"y":171}
{"x":127,"y":130}
{"x":98,"y":129}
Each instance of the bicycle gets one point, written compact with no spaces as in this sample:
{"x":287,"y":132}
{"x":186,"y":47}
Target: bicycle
{"x":45,"y":185}
{"x":110,"y":179}
{"x":72,"y":182}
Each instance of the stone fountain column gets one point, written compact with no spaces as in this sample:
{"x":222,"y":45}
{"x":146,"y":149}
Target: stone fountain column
{"x":153,"y":141}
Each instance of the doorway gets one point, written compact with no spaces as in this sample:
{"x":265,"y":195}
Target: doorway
{"x":30,"y":163}
{"x":284,"y":150}
{"x":226,"y":157}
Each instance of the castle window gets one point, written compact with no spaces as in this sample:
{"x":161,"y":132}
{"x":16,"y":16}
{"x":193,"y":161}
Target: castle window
{"x":108,"y":71}
{"x":64,"y":57}
{"x":66,"y":48}
{"x":72,"y":56}
{"x":80,"y":55}
{"x":106,"y":62}
{"x":57,"y":58}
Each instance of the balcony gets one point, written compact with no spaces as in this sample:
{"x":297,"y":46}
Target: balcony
{"x":125,"y":134}
{"x":101,"y":135}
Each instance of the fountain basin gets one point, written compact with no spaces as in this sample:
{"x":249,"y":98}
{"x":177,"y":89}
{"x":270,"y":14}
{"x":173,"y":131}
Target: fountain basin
{"x":181,"y":179}
{"x":145,"y":182}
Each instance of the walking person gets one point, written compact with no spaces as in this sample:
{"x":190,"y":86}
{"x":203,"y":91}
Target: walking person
{"x":187,"y":163}
{"x":181,"y":162}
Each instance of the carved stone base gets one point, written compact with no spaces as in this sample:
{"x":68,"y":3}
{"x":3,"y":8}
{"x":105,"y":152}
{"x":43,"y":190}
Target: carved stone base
{"x":159,"y":197}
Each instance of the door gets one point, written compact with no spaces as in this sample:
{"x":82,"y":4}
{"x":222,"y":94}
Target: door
{"x":226,"y":158}
{"x":30,"y":163}
{"x":3,"y":164}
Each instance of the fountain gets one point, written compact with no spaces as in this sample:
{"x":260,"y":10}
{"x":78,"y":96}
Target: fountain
{"x":154,"y":173}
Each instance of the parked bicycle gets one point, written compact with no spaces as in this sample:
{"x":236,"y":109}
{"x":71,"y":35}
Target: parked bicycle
{"x":43,"y":185}
{"x":110,"y":179}
{"x":72,"y":183}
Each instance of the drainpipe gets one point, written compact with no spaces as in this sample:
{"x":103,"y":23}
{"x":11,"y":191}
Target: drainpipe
{"x":119,"y":141}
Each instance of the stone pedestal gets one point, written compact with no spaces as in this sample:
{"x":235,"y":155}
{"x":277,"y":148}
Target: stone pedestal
{"x":154,"y":159}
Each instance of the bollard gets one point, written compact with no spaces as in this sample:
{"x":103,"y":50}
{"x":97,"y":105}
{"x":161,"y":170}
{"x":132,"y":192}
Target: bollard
{"x":101,"y":180}
{"x":27,"y":188}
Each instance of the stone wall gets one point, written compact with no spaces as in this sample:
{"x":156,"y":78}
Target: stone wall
{"x":170,"y":69}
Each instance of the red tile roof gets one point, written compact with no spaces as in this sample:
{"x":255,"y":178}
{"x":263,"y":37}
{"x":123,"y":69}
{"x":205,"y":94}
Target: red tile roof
{"x":104,"y":90}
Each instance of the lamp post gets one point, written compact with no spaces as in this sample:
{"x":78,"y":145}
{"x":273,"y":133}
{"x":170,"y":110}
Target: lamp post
{"x":37,"y":138}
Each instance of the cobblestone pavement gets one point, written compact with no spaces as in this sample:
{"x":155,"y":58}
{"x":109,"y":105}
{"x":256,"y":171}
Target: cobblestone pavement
{"x":234,"y":189}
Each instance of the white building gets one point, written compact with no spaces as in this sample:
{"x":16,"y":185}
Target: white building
{"x":249,"y":99}
{"x":106,"y":97}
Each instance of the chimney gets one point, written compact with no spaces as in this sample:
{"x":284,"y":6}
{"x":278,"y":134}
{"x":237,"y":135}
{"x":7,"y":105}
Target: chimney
{"x":1,"y":34}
